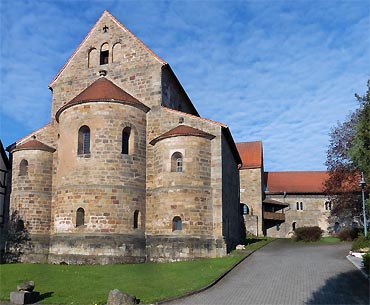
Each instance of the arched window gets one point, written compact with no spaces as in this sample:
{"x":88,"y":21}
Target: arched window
{"x":126,"y":132}
{"x":336,"y":227}
{"x":137,"y":220}
{"x":176,"y":162}
{"x":80,"y":217}
{"x":93,"y":57}
{"x":104,"y":54}
{"x":294,"y":225}
{"x":23,"y":168}
{"x":176,"y":224}
{"x":245,"y":209}
{"x":328,"y":206}
{"x":84,"y":140}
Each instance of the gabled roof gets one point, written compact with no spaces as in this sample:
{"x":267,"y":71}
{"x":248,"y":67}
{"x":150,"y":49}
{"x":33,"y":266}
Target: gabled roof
{"x":105,"y":13}
{"x":295,"y":182}
{"x":33,"y":145}
{"x":103,"y":90}
{"x":182,"y":130}
{"x":251,"y":154}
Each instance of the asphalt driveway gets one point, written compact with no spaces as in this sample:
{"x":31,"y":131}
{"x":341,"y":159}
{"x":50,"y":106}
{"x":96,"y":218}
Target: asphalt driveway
{"x":289,"y":273}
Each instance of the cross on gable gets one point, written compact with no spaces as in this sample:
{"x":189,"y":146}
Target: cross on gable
{"x":105,"y":29}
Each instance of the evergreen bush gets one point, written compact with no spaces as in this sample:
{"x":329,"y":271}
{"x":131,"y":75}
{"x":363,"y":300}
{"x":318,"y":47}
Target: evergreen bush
{"x":361,"y":243}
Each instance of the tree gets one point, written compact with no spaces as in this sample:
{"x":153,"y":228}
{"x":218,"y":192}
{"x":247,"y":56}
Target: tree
{"x":347,"y":156}
{"x":17,"y":241}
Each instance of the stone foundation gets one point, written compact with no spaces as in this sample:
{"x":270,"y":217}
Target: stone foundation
{"x":97,"y":249}
{"x":167,"y":248}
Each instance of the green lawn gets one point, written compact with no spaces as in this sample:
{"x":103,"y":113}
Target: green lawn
{"x":330,"y":239}
{"x":90,"y":284}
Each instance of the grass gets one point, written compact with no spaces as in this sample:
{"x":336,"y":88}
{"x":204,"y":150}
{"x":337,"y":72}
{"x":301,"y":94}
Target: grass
{"x":90,"y":284}
{"x":330,"y":239}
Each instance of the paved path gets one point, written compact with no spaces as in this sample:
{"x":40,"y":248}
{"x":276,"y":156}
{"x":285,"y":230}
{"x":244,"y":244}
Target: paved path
{"x":289,"y":273}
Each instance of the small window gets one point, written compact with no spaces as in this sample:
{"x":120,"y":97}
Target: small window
{"x":126,"y":140}
{"x":104,"y":54}
{"x":299,"y":205}
{"x":84,"y":140}
{"x":294,"y":224}
{"x":176,"y":224}
{"x":23,"y":168}
{"x":80,"y":217}
{"x":245,"y":209}
{"x":336,"y":227}
{"x":177,"y":162}
{"x":328,"y":206}
{"x":137,"y":220}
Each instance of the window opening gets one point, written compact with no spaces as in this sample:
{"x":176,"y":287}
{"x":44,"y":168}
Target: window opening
{"x":84,"y":140}
{"x":137,"y":222}
{"x":80,"y":217}
{"x":23,"y":168}
{"x":294,"y":224}
{"x":126,"y":140}
{"x":104,"y":54}
{"x":177,"y":162}
{"x":176,"y":224}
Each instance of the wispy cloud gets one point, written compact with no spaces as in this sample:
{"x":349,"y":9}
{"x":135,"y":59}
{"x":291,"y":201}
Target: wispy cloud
{"x":283,"y":72}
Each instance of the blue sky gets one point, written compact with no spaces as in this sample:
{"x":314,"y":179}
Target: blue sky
{"x":283,"y":72}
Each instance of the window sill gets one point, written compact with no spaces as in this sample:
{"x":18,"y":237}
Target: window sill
{"x":84,"y":155}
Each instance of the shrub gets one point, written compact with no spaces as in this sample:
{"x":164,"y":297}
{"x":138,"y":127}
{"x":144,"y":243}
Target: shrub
{"x":349,"y":234}
{"x":361,"y":243}
{"x":308,"y":234}
{"x":366,"y":261}
{"x":345,"y":235}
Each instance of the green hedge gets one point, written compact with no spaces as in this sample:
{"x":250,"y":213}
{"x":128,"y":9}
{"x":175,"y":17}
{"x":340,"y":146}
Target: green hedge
{"x":366,"y":261}
{"x":361,"y":243}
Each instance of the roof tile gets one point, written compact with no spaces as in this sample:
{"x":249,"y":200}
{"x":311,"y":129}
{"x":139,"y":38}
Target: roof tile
{"x":296,"y":182}
{"x":251,"y":154}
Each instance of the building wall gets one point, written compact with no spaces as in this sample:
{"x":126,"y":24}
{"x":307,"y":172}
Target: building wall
{"x":108,"y":185}
{"x":232,"y":219}
{"x":31,"y":196}
{"x":130,"y":66}
{"x":313,"y":214}
{"x":251,"y":194}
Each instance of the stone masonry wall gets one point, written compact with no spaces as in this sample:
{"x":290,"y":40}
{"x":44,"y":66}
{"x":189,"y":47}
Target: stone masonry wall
{"x":232,"y":218}
{"x":31,"y":193}
{"x":130,"y":66}
{"x":313,"y":214}
{"x":251,"y":195}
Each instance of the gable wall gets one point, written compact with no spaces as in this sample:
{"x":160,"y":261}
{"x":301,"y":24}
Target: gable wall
{"x":130,"y":66}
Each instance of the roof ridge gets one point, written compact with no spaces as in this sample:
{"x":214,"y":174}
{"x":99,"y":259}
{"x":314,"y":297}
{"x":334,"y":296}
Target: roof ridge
{"x":160,"y":60}
{"x":194,"y":116}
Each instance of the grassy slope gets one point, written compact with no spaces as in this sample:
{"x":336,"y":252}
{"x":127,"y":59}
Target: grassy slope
{"x":150,"y":282}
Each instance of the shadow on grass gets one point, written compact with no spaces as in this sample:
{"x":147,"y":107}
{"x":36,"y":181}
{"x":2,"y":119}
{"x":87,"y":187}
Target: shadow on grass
{"x":46,"y":295}
{"x":345,"y":288}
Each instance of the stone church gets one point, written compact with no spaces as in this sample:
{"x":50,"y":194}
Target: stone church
{"x":127,"y":171}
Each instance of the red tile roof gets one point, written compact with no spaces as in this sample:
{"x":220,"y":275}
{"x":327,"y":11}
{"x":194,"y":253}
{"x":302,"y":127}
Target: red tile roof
{"x":161,"y":61}
{"x":182,"y":130}
{"x":295,"y":182}
{"x":103,"y":90}
{"x":251,"y":154}
{"x":33,"y":145}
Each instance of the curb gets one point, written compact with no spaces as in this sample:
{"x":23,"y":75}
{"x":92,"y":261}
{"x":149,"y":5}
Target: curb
{"x":359,"y":267}
{"x":214,"y":282}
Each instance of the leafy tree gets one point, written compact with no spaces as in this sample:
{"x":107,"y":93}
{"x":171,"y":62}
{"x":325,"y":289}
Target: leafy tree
{"x":17,"y":241}
{"x":347,"y":156}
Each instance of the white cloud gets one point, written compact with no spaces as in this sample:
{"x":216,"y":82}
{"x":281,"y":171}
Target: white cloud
{"x":283,"y":72}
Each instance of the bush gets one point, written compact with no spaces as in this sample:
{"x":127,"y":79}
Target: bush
{"x":349,"y":234}
{"x":366,"y":261}
{"x":361,"y":243}
{"x":308,"y":234}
